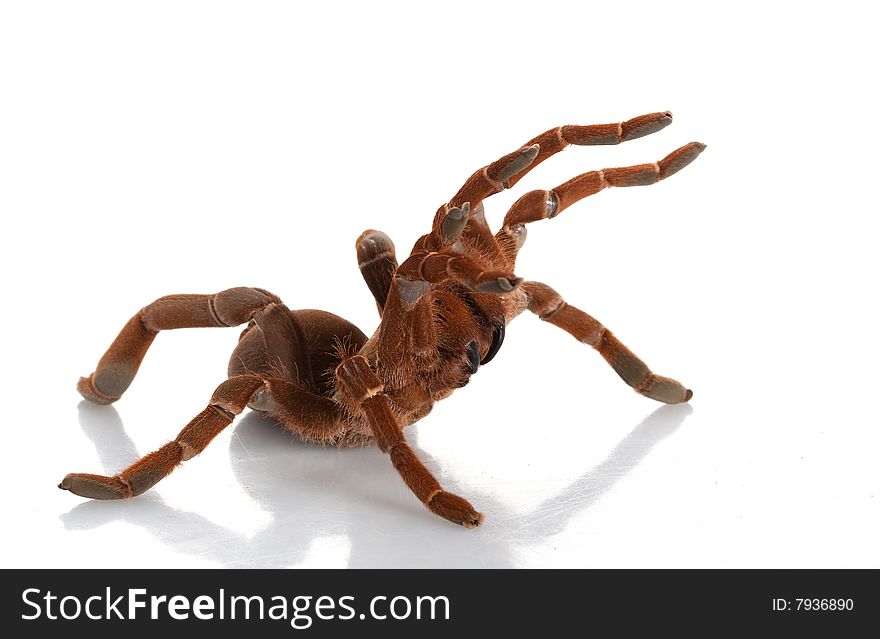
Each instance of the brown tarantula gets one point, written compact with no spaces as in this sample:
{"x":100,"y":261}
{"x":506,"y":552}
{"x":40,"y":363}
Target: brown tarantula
{"x":443,"y":314}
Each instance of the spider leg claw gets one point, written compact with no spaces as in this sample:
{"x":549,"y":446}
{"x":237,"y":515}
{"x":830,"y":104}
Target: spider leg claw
{"x":95,"y":486}
{"x":473,"y":354}
{"x":680,"y":158}
{"x":86,"y":387}
{"x":664,"y":389}
{"x":454,"y":222}
{"x":455,"y":509}
{"x":645,"y":125}
{"x":519,"y":162}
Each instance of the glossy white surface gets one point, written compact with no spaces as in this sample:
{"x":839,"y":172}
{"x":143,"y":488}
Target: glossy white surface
{"x":189,"y":148}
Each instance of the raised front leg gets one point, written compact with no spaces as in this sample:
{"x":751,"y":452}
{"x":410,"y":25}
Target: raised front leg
{"x":364,"y":392}
{"x":550,"y":307}
{"x":540,"y":205}
{"x":508,"y":170}
{"x":119,"y":365}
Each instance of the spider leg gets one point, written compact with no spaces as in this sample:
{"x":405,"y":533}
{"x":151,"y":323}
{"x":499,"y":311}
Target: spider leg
{"x":228,"y":400}
{"x":364,"y":393}
{"x":510,"y":169}
{"x":378,"y":262}
{"x":312,"y":417}
{"x":507,"y":171}
{"x":539,"y":205}
{"x":547,"y":304}
{"x":117,"y":368}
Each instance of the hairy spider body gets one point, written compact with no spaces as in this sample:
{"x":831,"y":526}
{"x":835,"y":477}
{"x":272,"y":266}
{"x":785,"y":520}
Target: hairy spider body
{"x":443,"y":314}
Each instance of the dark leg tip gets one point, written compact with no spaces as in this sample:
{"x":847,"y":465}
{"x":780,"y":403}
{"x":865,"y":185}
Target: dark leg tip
{"x":516,"y":164}
{"x":372,"y":245}
{"x":474,"y":521}
{"x":455,"y":213}
{"x":455,"y":509}
{"x":95,"y":486}
{"x":531,"y":152}
{"x":644,"y":125}
{"x":498,"y":285}
{"x":86,"y":387}
{"x":507,"y":284}
{"x":680,"y":158}
{"x":454,"y":222}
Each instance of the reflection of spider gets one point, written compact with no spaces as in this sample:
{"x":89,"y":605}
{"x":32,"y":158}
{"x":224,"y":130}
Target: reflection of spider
{"x":264,"y":462}
{"x":444,"y":312}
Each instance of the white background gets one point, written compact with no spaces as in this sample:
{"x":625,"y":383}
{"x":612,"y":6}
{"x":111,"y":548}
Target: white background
{"x":169,"y":147}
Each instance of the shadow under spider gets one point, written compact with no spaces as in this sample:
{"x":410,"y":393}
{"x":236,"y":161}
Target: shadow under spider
{"x":311,"y":492}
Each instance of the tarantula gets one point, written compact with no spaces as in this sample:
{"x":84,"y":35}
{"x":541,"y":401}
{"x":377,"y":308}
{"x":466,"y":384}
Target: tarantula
{"x":443,"y":314}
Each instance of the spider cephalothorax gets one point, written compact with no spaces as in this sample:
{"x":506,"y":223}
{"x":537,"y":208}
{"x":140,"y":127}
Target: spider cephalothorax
{"x":443,"y":314}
